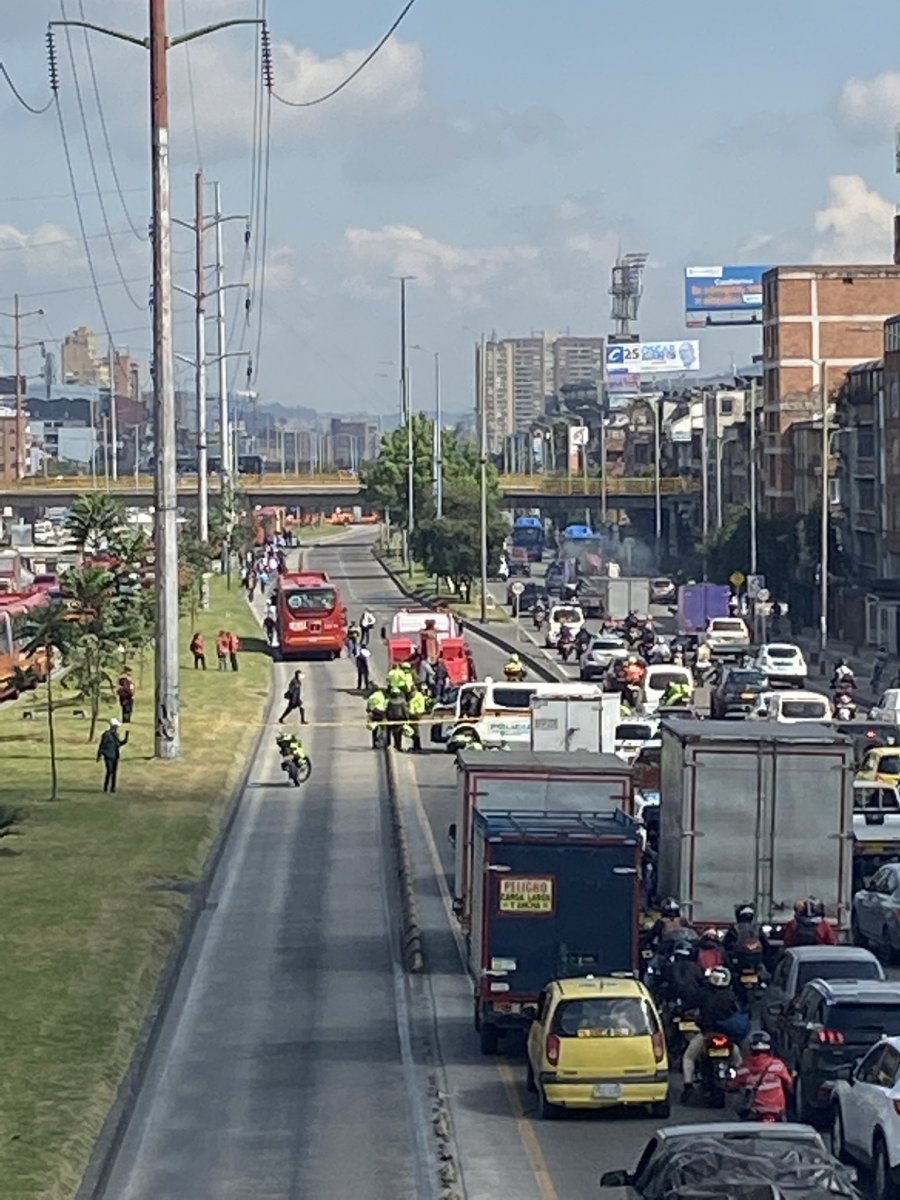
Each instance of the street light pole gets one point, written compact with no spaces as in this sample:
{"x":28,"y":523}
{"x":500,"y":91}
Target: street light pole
{"x":823,"y":582}
{"x":657,"y":418}
{"x":482,"y":479}
{"x":753,"y":477}
{"x":200,"y":365}
{"x":438,"y":440}
{"x":406,"y":416}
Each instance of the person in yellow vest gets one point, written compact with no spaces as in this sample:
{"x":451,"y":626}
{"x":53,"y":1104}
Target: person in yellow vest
{"x":376,"y":704}
{"x":396,"y":678}
{"x":418,"y":708}
{"x":409,"y":678}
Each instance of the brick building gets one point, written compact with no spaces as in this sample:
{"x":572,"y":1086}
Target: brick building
{"x":818,"y":322}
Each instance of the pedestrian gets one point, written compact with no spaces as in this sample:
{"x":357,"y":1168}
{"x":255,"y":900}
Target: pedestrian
{"x":234,"y":644}
{"x":109,"y":750}
{"x":294,"y":697}
{"x":222,"y":648}
{"x":397,"y":713}
{"x":269,"y":626}
{"x":366,"y":625}
{"x":363,"y":654}
{"x":418,"y":708}
{"x":125,"y":692}
{"x":198,"y":649}
{"x":251,"y":585}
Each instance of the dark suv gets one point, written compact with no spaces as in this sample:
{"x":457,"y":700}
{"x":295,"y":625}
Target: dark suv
{"x":827,"y":1027}
{"x":738,"y":692}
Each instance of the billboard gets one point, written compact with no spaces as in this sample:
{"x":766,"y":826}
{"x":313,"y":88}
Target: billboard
{"x":723,"y":289}
{"x":652,"y":358}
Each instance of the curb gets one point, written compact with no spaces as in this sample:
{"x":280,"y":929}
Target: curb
{"x":106,"y":1148}
{"x":411,"y":934}
{"x":540,"y":669}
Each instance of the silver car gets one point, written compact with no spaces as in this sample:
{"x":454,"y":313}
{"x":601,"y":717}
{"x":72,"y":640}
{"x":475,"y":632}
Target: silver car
{"x":876,"y":913}
{"x":604,"y":649}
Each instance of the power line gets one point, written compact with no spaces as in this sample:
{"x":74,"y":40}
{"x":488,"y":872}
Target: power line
{"x":353,"y":74}
{"x":142,"y":237}
{"x":93,"y":162}
{"x":65,"y":241}
{"x":63,"y":195}
{"x":18,"y":95}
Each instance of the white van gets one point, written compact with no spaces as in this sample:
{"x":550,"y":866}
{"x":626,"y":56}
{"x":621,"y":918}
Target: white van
{"x":559,"y":615}
{"x":499,"y":713}
{"x":887,"y":707}
{"x":657,"y":680}
{"x":792,"y":707}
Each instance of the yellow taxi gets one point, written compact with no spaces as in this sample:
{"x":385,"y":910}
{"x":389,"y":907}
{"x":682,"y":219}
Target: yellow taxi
{"x":881,"y":763}
{"x":597,"y":1042}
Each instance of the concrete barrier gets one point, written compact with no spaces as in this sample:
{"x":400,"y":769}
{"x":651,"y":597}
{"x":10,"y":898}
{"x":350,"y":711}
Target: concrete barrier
{"x":411,"y":933}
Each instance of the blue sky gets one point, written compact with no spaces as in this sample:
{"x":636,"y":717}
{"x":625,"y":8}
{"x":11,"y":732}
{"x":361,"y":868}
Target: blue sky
{"x":501,"y":152}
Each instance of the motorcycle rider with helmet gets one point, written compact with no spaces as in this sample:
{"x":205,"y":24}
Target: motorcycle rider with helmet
{"x":668,"y":925}
{"x":843,"y":678}
{"x":765,"y":1081}
{"x":808,"y":926}
{"x":745,"y":945}
{"x":719,"y":1012}
{"x":515,"y":669}
{"x":686,"y":978}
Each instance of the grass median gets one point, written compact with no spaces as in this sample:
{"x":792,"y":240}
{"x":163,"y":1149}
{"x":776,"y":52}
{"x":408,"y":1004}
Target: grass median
{"x":94,"y":889}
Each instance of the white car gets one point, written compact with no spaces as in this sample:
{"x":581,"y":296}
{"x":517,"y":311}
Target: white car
{"x":783,"y":663}
{"x":887,"y":707}
{"x":605,"y":649}
{"x":563,"y":614}
{"x":658,"y":678}
{"x":792,"y":707}
{"x":865,"y":1116}
{"x":632,"y":736}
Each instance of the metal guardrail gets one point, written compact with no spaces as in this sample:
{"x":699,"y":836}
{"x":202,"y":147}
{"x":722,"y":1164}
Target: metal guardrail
{"x":186,"y":482}
{"x":576,"y":485}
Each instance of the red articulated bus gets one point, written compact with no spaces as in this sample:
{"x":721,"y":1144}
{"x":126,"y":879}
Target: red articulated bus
{"x":311,"y":617}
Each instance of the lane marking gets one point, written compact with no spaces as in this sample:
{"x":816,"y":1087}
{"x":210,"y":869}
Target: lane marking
{"x":537,"y":1160}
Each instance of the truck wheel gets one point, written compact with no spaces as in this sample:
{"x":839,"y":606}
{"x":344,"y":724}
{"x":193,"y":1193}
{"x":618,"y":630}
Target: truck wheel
{"x":489,"y":1038}
{"x":530,"y":1085}
{"x":546,"y":1110}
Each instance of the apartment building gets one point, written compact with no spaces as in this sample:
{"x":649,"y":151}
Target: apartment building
{"x":576,"y":360}
{"x":890,"y":443}
{"x":15,"y":444}
{"x":818,"y":322}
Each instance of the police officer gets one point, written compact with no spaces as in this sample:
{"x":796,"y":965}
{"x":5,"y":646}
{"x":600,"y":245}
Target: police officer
{"x":396,"y":677}
{"x":418,"y":707}
{"x":397,"y":712}
{"x":375,"y":709}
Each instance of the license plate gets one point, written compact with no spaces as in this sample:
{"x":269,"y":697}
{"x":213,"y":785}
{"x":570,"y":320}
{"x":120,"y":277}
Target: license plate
{"x":719,"y":1052}
{"x":607,"y":1091}
{"x":688,"y":1026}
{"x":747,"y":696}
{"x":749,"y":977}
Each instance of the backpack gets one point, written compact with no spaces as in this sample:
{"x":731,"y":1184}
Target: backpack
{"x":746,"y":937}
{"x":807,"y":931}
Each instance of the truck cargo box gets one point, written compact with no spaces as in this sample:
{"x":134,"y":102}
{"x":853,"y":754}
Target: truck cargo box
{"x":755,"y":812}
{"x":554,"y":894}
{"x":575,"y":723}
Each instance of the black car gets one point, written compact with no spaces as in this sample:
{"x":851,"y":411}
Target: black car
{"x":828,"y":1026}
{"x":528,"y":598}
{"x":737,"y":692}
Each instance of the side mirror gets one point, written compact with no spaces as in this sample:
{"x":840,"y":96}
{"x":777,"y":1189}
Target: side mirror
{"x":614,"y":1179}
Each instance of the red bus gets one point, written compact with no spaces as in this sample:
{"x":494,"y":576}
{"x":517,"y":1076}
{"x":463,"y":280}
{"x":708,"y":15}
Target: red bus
{"x":311,"y":617}
{"x":19,"y":670}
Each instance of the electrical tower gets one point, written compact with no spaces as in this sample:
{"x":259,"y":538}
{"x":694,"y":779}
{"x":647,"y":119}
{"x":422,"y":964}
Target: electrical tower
{"x":626,"y":291}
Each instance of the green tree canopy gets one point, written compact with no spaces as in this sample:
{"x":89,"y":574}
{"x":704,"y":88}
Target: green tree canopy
{"x":450,"y":546}
{"x":95,"y":520}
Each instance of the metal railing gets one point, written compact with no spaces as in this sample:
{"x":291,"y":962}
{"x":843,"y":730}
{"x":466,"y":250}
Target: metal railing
{"x":186,"y":482}
{"x":577,"y":485}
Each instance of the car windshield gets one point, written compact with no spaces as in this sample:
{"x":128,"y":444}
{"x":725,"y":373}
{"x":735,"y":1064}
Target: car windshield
{"x":809,"y":710}
{"x":837,"y":968}
{"x":596,"y":1017}
{"x":744,"y":680}
{"x":633,"y":733}
{"x":865,"y":1022}
{"x":727,"y":625}
{"x":889,"y":764}
{"x":783,"y":651}
{"x":567,"y":615}
{"x":507,"y":697}
{"x":315,"y":599}
{"x":609,"y":643}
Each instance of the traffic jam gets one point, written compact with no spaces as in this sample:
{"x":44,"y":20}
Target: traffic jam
{"x":676,"y":873}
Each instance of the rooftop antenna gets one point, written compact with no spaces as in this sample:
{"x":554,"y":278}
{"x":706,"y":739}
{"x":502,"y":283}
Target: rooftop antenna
{"x":626,"y":291}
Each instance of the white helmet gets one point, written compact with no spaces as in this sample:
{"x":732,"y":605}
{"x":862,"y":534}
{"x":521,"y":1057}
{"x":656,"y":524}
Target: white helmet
{"x":719,"y":977}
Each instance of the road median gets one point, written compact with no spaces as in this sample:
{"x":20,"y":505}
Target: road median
{"x":101,"y":893}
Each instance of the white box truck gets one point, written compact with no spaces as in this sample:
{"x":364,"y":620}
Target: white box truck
{"x":575,"y":723}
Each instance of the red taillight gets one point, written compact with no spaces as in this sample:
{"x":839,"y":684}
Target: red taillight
{"x":659,"y":1046}
{"x":552,"y":1049}
{"x":719,"y":1040}
{"x":896,"y":1104}
{"x":831,"y":1037}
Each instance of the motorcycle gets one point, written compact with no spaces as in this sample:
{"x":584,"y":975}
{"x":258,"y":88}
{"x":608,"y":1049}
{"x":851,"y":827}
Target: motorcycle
{"x":703,"y":673}
{"x":297,"y":767}
{"x":515,"y":674}
{"x":715,"y":1068}
{"x":538,"y":616}
{"x":844,"y":706}
{"x":681,"y":1026}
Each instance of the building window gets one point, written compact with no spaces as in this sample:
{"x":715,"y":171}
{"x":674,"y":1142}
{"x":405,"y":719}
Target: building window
{"x":726,"y":406}
{"x":894,"y":403}
{"x":865,"y":493}
{"x":865,"y":443}
{"x":865,"y":541}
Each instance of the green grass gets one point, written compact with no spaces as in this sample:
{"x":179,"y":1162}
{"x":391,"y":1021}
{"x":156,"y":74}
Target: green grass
{"x":89,"y":914}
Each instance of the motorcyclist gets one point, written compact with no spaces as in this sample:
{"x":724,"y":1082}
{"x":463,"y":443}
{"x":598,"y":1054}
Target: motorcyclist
{"x":539,"y":614}
{"x":844,"y":705}
{"x":764,"y":1079}
{"x":669,"y":925}
{"x":719,"y":1012}
{"x":583,"y":640}
{"x":685,"y":976}
{"x":566,"y":642}
{"x":290,"y":744}
{"x":677,"y":693}
{"x":514,"y":670}
{"x":808,"y":926}
{"x":634,"y":671}
{"x":842,"y":678}
{"x":745,"y":943}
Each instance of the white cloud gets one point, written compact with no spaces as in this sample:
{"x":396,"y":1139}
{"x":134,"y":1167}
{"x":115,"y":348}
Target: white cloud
{"x":856,"y":225}
{"x":45,"y":247}
{"x":596,"y":249}
{"x":871,"y":103}
{"x":393,"y":80}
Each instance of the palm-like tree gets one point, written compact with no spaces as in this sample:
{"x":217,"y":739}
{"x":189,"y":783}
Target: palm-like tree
{"x":95,"y":519}
{"x":51,"y":630}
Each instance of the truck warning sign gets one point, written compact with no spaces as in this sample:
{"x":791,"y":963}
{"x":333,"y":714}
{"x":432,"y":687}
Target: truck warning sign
{"x":526,"y":895}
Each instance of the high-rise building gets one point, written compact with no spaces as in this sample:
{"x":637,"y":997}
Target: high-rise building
{"x":15,"y":446}
{"x":576,"y":360}
{"x":80,"y":357}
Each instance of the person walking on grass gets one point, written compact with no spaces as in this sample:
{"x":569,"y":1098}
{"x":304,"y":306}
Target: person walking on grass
{"x":222,"y":648}
{"x":125,"y":692}
{"x":294,"y":697}
{"x":110,"y":749}
{"x":234,"y":644}
{"x":198,"y":649}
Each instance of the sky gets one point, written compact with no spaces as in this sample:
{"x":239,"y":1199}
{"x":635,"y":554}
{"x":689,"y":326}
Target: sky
{"x":501,"y":152}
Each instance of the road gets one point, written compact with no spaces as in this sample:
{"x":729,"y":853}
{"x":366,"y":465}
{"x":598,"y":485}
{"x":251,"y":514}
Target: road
{"x":297,"y":1060}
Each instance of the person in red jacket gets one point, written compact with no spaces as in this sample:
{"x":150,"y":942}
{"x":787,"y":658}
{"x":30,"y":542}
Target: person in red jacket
{"x":808,"y":926}
{"x":765,"y":1081}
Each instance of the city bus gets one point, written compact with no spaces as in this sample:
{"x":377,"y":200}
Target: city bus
{"x":19,"y":670}
{"x":528,"y":535}
{"x":311,"y":617}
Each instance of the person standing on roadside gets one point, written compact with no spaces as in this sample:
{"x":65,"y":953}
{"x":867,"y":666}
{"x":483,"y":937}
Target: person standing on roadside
{"x":294,"y":697}
{"x":366,"y":625}
{"x":363,"y":655}
{"x":110,"y":749}
{"x":222,"y":648}
{"x":125,"y":692}
{"x":234,"y":644}
{"x":198,"y":649}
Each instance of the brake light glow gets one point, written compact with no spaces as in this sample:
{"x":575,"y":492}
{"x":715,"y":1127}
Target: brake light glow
{"x":831,"y":1037}
{"x":553,"y":1049}
{"x":719,"y":1040}
{"x":659,"y":1046}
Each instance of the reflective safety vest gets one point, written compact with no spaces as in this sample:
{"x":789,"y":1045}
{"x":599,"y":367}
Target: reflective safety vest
{"x":418,"y":705}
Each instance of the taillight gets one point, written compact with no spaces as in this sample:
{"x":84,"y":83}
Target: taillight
{"x":552,"y":1049}
{"x":719,"y":1040}
{"x":831,"y":1037}
{"x":659,"y":1046}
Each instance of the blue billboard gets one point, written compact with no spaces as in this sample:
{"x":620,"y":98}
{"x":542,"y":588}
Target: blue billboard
{"x":723,"y":289}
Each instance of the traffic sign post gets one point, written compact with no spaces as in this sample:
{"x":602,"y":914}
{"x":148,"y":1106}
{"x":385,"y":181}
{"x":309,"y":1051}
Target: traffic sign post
{"x":736,"y":578}
{"x":755,"y":584}
{"x":517,"y":589}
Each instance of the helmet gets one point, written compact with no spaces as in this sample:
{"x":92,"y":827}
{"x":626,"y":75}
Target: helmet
{"x":718,"y":977}
{"x":114,"y":723}
{"x":745,"y":912}
{"x":514,"y":658}
{"x":760,"y":1040}
{"x":683,"y":950}
{"x":670,"y":908}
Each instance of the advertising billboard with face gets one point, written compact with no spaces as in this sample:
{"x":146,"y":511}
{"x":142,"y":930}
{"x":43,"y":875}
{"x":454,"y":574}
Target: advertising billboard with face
{"x":652,"y":358}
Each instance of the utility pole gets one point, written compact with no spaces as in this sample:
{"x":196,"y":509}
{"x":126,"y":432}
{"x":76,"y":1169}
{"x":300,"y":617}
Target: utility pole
{"x":438,"y":440}
{"x":753,"y":551}
{"x":17,"y":317}
{"x":113,"y":414}
{"x":482,"y":477}
{"x":200,"y":367}
{"x":224,"y":435}
{"x":167,"y":682}
{"x":823,"y":582}
{"x":406,"y":415}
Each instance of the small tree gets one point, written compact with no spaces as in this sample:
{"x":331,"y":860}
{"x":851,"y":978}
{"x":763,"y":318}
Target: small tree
{"x":451,"y":546}
{"x":50,"y":630}
{"x":95,"y":520}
